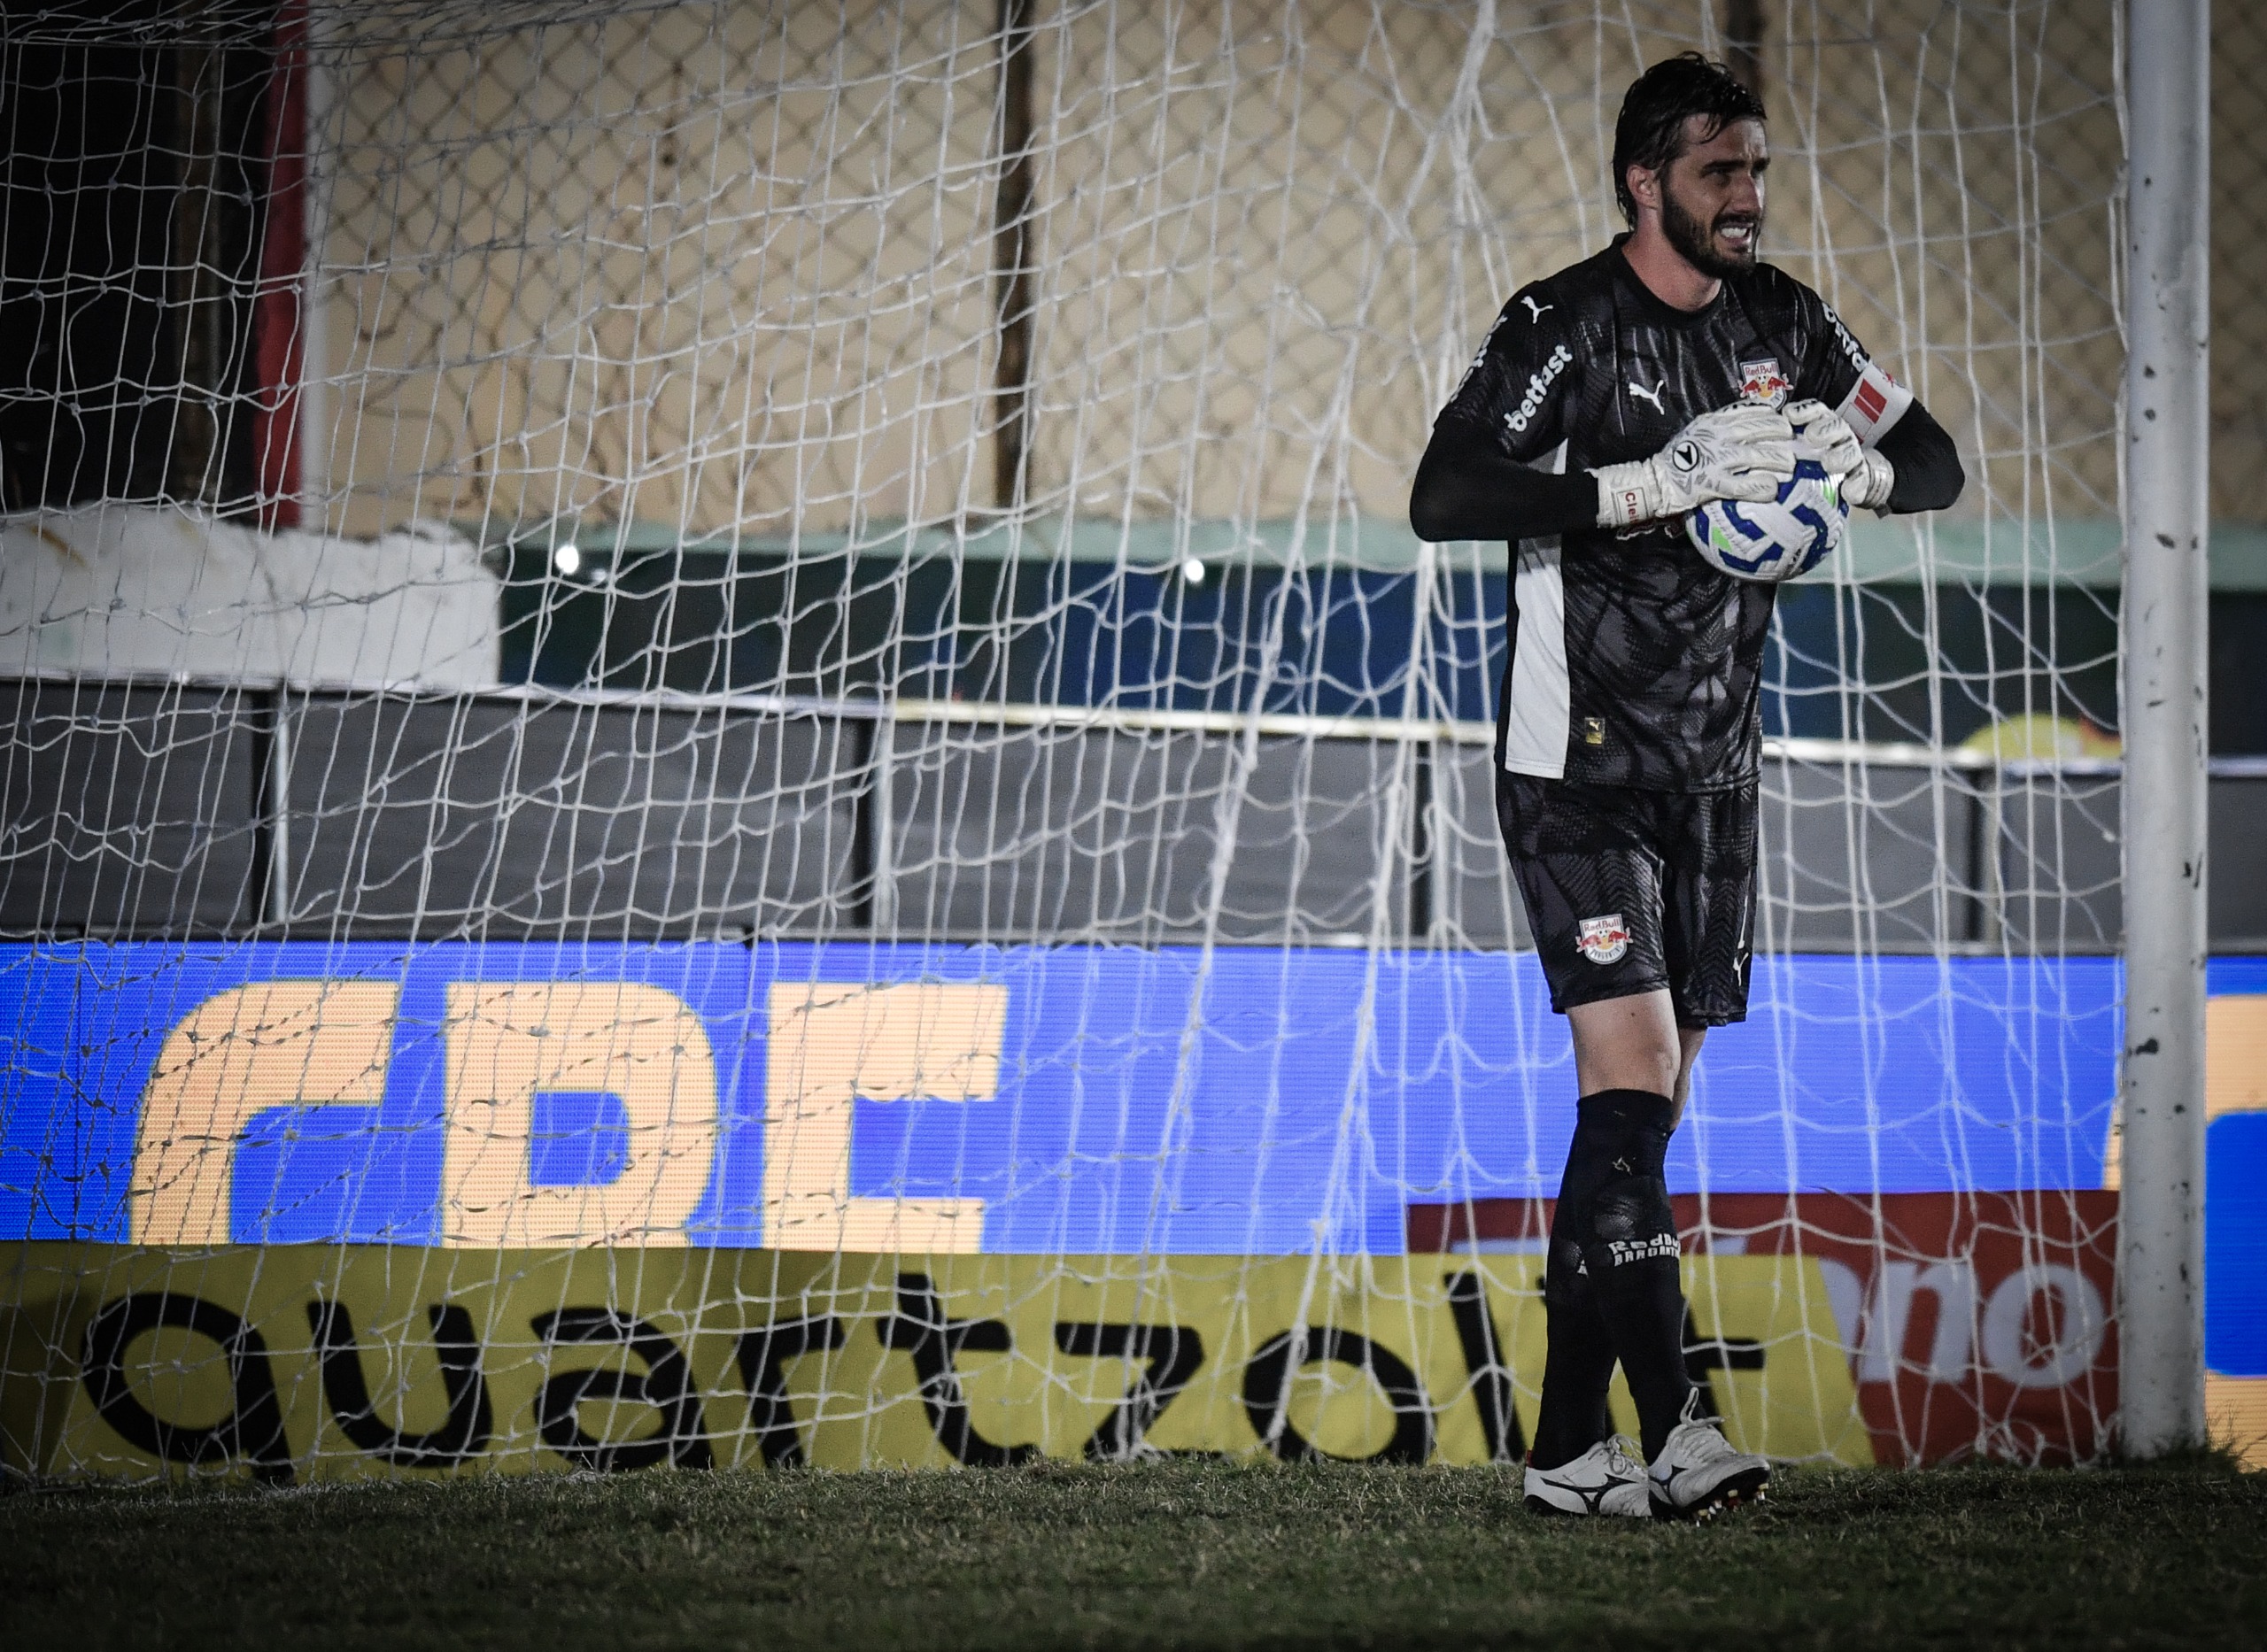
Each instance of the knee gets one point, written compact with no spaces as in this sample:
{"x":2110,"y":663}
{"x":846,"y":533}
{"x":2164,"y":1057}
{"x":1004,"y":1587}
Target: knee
{"x":1627,"y":1044}
{"x":1655,"y":1066}
{"x":1624,"y":1219}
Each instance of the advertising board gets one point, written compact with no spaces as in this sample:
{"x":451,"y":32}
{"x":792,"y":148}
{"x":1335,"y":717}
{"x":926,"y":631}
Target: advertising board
{"x":353,"y":1177}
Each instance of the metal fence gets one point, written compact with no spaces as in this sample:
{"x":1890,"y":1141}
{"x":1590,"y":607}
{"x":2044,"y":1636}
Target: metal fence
{"x":184,"y":808}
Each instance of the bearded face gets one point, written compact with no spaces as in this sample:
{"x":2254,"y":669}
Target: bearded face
{"x":1712,"y":197}
{"x":1722,"y":243}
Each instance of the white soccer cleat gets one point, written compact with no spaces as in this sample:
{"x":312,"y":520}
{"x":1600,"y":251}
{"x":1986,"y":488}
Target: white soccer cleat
{"x":1609,"y":1479}
{"x":1699,"y":1474}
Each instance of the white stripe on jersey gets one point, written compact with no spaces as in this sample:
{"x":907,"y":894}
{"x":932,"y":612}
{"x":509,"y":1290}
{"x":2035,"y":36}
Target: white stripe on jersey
{"x":1539,"y":712}
{"x":1538,"y":703}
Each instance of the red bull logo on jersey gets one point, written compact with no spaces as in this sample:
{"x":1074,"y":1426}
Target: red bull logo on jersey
{"x":1604,"y":941}
{"x":1763,"y":382}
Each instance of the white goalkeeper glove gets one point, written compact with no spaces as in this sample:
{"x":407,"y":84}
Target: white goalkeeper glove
{"x":1743,"y":451}
{"x":1825,"y":435}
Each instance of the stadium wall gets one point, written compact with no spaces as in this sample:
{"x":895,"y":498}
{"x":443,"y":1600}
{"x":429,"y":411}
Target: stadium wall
{"x":1195,"y":324}
{"x":647,"y":177}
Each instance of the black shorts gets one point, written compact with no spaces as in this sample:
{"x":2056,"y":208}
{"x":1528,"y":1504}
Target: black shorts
{"x":1630,"y":891}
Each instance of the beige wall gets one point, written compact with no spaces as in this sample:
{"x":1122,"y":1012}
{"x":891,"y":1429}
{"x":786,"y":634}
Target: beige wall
{"x":704,"y":267}
{"x":729,"y":267}
{"x":2239,"y":262}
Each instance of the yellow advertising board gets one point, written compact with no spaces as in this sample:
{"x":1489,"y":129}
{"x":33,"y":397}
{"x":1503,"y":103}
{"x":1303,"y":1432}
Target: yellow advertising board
{"x":289,"y":1362}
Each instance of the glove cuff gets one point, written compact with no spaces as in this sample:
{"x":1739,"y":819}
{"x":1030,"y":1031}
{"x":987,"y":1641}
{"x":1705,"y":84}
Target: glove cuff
{"x":1626,"y":494}
{"x":1870,"y":485}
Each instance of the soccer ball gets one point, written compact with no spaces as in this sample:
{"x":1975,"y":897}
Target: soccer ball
{"x":1775,"y":539}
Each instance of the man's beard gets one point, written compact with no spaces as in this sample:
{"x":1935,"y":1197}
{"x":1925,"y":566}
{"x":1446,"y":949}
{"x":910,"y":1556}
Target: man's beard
{"x":1697,"y":242}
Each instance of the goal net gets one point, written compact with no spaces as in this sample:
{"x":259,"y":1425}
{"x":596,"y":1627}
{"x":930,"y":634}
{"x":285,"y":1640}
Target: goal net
{"x":727,"y":747}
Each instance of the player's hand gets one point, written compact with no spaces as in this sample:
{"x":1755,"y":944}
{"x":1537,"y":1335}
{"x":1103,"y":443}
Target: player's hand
{"x":1743,"y":451}
{"x":1825,"y":435}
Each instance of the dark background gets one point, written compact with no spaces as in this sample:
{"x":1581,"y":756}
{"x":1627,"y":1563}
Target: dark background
{"x":132,"y":188}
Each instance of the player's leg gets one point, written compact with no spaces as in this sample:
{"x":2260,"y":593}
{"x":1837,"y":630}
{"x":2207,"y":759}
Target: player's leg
{"x":1591,"y":890}
{"x":1614,"y":1218}
{"x":1708,"y":846}
{"x":1635,"y":1043}
{"x":1573,"y":1456}
{"x":1689,"y":1040}
{"x":1627,"y":1043}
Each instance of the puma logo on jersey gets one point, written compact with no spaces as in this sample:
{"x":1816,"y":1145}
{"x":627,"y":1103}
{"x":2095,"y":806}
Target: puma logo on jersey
{"x":1652,"y":395}
{"x":1533,"y":310}
{"x":1539,"y":387}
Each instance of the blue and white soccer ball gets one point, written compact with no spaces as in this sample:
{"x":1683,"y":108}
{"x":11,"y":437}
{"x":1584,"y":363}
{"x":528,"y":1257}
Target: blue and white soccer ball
{"x":1775,"y":539}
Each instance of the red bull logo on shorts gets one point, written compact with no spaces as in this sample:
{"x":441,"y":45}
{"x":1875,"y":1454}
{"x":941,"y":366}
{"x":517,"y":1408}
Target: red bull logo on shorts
{"x":1602,"y":940}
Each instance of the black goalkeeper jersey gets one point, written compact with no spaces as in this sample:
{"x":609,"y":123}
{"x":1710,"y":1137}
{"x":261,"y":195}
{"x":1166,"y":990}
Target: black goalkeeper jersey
{"x":1633,"y":663}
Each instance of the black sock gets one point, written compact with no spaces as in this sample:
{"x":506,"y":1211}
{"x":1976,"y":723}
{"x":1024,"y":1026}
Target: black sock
{"x":1620,"y":1217}
{"x":1578,"y":1363}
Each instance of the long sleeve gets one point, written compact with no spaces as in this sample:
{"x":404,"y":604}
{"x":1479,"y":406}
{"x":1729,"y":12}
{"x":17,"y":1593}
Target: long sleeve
{"x":1468,"y":489}
{"x":1929,"y":473}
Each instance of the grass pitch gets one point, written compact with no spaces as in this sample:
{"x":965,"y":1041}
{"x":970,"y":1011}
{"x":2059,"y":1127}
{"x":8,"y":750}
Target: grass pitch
{"x":1187,"y":1554}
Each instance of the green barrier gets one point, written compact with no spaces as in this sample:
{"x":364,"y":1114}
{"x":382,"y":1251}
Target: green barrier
{"x":293,"y":1363}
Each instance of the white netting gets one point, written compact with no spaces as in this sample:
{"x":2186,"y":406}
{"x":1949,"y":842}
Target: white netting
{"x":672,"y":741}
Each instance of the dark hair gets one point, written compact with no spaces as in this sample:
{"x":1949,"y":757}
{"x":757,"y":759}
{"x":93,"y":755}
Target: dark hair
{"x":1651,"y":132}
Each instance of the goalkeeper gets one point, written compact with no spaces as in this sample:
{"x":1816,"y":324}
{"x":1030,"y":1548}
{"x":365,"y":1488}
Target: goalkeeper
{"x":1671,"y":369}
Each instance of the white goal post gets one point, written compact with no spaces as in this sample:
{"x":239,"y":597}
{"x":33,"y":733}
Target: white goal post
{"x":2168,"y":426}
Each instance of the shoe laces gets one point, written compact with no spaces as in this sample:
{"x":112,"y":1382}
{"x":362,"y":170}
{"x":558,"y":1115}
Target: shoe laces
{"x":1623,"y":1460}
{"x":1705,"y":1442}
